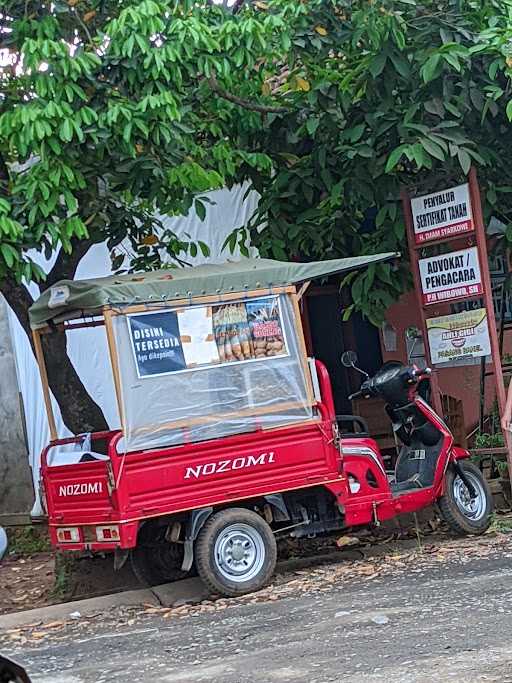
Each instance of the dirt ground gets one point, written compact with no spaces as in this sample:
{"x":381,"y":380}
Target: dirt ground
{"x":26,"y":582}
{"x":32,"y":575}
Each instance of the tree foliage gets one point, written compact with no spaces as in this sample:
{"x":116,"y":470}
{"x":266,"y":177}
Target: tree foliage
{"x":113,"y":109}
{"x":385,"y":94}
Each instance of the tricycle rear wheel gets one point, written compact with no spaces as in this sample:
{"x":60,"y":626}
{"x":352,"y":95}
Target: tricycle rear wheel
{"x":156,"y":560}
{"x":463,"y":514}
{"x":235,"y":552}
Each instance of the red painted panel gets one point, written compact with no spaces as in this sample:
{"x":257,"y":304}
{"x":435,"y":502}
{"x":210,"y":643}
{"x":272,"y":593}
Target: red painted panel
{"x":78,"y":491}
{"x":228,"y":469}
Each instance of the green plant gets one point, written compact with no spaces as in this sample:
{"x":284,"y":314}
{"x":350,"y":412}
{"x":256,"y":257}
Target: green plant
{"x":110,"y":111}
{"x":485,"y":440}
{"x":501,"y":524}
{"x":64,"y":564}
{"x":502,"y":467}
{"x":28,"y":540}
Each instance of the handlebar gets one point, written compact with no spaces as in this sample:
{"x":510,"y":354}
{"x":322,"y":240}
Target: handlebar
{"x":411,"y":375}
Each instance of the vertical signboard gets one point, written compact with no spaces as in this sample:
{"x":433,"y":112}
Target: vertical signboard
{"x":442,"y":214}
{"x":450,"y":276}
{"x":445,"y":276}
{"x":459,"y":335}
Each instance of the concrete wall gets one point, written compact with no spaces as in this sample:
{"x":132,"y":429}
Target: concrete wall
{"x":16,"y":490}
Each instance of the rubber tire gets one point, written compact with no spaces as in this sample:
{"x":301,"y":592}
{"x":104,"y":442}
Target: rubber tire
{"x":149,"y":572}
{"x":205,"y":545}
{"x":455,"y":519}
{"x":154,"y":560}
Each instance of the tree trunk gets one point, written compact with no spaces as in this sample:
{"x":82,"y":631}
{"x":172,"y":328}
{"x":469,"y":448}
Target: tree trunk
{"x":79,"y":412}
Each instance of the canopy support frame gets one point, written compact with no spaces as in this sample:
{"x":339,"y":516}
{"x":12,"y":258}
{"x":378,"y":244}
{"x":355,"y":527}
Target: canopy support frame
{"x":38,"y":349}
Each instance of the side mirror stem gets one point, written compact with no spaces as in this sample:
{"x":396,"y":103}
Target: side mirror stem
{"x":361,"y":372}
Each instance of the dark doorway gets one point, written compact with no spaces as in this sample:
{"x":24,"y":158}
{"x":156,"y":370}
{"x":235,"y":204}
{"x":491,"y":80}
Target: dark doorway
{"x":325,"y":328}
{"x":367,"y":343}
{"x":329,"y":336}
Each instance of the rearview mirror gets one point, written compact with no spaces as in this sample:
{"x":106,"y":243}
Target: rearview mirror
{"x":349,"y":359}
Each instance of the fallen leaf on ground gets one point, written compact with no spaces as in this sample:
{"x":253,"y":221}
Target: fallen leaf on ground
{"x":343,"y":541}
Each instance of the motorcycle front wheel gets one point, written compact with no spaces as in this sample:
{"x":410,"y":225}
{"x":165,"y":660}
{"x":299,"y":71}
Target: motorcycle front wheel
{"x":464,"y":514}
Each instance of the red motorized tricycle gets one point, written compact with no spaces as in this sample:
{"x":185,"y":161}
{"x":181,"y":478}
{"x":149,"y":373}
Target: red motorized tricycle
{"x":228,"y":435}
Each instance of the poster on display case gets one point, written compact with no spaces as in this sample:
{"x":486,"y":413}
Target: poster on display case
{"x":459,"y":335}
{"x":169,"y":341}
{"x":156,"y":343}
{"x":249,"y":330}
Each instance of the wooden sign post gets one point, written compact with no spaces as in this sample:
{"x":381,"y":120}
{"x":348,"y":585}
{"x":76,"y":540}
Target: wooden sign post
{"x":441,"y":218}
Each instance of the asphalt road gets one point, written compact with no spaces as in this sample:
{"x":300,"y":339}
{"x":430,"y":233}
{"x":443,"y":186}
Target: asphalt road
{"x":444,"y":617}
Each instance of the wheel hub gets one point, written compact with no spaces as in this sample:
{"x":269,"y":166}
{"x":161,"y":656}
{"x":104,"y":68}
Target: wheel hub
{"x":239,"y":552}
{"x":471,"y":507}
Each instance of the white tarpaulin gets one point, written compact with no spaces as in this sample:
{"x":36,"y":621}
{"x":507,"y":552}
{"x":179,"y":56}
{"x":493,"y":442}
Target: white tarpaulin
{"x":87,"y":348}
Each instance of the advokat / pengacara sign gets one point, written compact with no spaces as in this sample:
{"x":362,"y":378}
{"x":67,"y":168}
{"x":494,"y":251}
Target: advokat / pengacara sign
{"x":454,"y":275}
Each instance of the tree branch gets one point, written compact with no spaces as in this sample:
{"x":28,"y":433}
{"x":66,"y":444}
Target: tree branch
{"x":252,"y":106}
{"x":66,"y":264}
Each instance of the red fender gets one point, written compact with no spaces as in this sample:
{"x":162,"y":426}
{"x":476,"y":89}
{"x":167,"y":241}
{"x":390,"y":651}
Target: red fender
{"x":459,"y":453}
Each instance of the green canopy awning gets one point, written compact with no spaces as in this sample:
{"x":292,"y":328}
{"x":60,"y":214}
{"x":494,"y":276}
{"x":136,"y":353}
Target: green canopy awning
{"x":71,"y":297}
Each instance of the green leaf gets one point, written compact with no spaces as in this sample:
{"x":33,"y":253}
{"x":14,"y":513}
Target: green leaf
{"x":418,"y":155}
{"x":434,"y":106}
{"x":429,"y":69}
{"x":347,"y":313}
{"x":452,"y":60}
{"x":312,"y":125}
{"x":66,"y":130}
{"x":357,"y":288}
{"x":464,"y":160}
{"x":395,"y":157}
{"x":509,"y":110}
{"x":200,"y":209}
{"x":205,"y":249}
{"x":127,"y":132}
{"x":71,"y":201}
{"x":9,"y":253}
{"x":54,"y":145}
{"x":401,"y":64}
{"x":354,"y":134}
{"x":377,"y":64}
{"x":432,"y":148}
{"x":142,"y":127}
{"x":365,"y":151}
{"x":381,"y":216}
